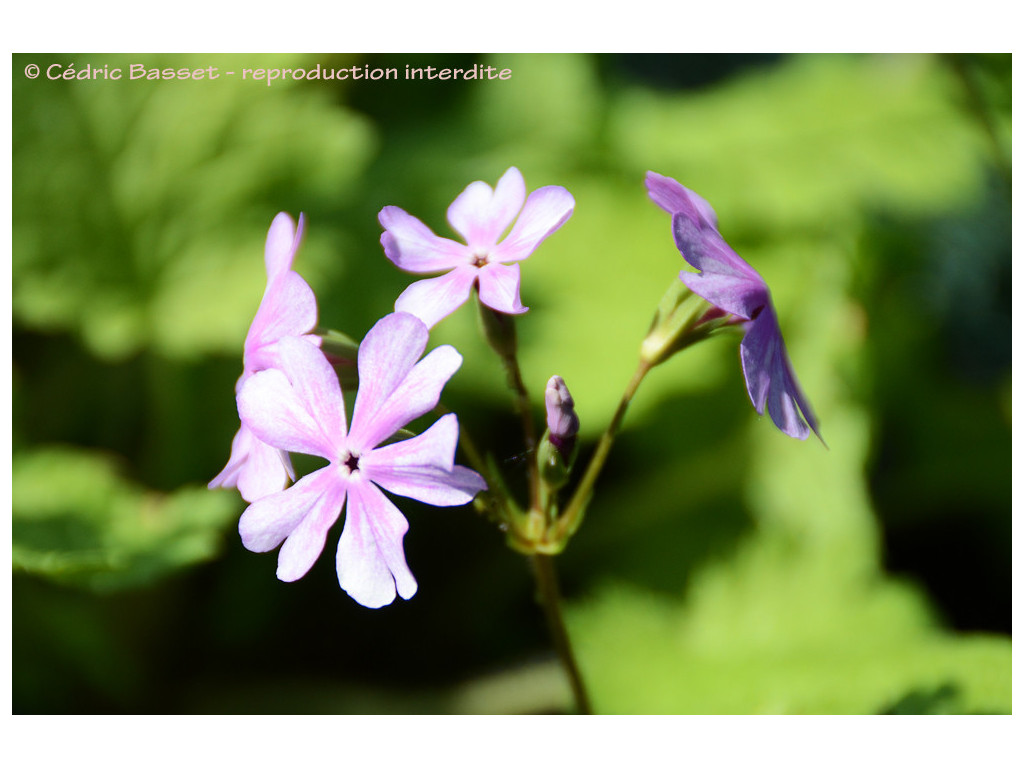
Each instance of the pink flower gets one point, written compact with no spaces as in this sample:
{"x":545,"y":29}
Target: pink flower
{"x":726,"y":281}
{"x":298,"y":407}
{"x":480,"y":215}
{"x":288,"y":308}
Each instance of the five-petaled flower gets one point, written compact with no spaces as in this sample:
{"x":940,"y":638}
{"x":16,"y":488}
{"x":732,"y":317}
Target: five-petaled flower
{"x":298,"y":407}
{"x":480,"y":215}
{"x":288,"y":308}
{"x":733,"y":286}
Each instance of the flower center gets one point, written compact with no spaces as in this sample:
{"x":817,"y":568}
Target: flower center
{"x":350,"y":464}
{"x":480,"y":258}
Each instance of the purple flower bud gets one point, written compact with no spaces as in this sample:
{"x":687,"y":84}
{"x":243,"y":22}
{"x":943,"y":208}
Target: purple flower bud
{"x":563,"y":423}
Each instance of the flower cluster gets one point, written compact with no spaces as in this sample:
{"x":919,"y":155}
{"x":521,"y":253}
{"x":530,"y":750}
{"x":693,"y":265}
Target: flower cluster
{"x":290,"y":401}
{"x":290,"y":397}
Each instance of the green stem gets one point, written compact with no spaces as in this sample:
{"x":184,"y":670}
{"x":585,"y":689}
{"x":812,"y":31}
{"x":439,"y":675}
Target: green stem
{"x":529,"y":431}
{"x":547,"y":586}
{"x":500,"y":331}
{"x":572,"y":516}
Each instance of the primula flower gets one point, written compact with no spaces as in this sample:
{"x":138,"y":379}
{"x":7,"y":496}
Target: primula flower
{"x":298,"y":407}
{"x":288,"y":308}
{"x":734,"y":287}
{"x":480,"y":215}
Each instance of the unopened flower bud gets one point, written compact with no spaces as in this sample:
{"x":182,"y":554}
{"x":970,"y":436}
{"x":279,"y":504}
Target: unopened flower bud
{"x":563,"y":423}
{"x":558,"y":446}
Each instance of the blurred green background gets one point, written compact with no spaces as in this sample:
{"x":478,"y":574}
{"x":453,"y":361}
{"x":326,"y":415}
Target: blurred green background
{"x":722,"y":568}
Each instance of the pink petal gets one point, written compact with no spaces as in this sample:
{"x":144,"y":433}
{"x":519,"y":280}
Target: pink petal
{"x":371,"y":562}
{"x":386,"y":356}
{"x":266,"y":470}
{"x":412,"y":396}
{"x":306,"y":541}
{"x":283,"y":241}
{"x":254,"y":468}
{"x":299,"y":407}
{"x":423,"y":467}
{"x":499,"y":288}
{"x":288,"y":308}
{"x":481,"y":214}
{"x":546,"y":209}
{"x":410,"y":244}
{"x":672,"y":196}
{"x":240,"y":446}
{"x":435,"y":298}
{"x":270,"y":520}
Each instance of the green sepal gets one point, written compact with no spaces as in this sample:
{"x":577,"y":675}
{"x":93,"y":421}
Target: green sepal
{"x":402,"y":434}
{"x":554,"y":470}
{"x":676,"y":324}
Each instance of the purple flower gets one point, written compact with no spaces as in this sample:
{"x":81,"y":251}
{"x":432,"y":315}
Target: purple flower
{"x":733,"y":286}
{"x":298,"y":407}
{"x":288,"y":308}
{"x":480,"y":215}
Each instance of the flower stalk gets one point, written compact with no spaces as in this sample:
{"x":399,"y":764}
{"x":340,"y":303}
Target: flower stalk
{"x":550,"y":598}
{"x":500,"y":331}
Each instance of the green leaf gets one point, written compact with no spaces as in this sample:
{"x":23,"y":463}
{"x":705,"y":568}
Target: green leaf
{"x":810,"y":142}
{"x":140,"y":208}
{"x":76,"y":521}
{"x":643,"y":653}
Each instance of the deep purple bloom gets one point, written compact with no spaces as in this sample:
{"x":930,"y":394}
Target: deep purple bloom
{"x":298,"y":407}
{"x":733,"y":286}
{"x":288,"y":308}
{"x":480,"y":215}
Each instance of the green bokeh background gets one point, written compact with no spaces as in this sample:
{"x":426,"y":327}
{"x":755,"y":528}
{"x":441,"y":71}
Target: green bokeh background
{"x":722,"y":568}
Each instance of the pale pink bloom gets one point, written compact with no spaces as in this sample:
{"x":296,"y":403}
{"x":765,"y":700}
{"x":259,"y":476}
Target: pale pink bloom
{"x":480,"y":215}
{"x":288,"y":308}
{"x":298,"y":407}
